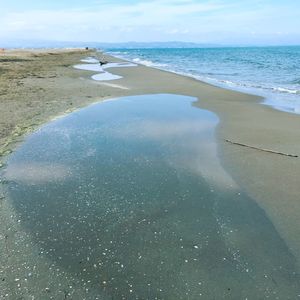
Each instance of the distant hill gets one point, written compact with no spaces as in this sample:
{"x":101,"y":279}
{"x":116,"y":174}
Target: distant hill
{"x":173,"y":44}
{"x":100,"y":45}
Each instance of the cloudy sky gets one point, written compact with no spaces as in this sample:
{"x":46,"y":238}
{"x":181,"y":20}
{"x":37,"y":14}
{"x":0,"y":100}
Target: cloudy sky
{"x":203,"y":21}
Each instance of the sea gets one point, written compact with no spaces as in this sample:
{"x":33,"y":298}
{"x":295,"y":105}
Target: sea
{"x":270,"y":72}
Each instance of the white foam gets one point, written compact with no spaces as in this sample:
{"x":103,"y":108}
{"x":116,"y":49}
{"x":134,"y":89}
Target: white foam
{"x":148,"y":63}
{"x":285,"y":90}
{"x":279,"y":98}
{"x":284,"y":104}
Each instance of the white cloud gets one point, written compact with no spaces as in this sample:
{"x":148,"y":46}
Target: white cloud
{"x":190,"y":20}
{"x":102,"y":21}
{"x":196,"y":149}
{"x":37,"y":173}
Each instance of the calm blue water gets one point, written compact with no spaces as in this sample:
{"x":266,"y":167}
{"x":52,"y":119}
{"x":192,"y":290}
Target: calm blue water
{"x":272,"y":72}
{"x":127,"y":199}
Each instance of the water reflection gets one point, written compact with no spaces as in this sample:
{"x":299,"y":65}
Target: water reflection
{"x":130,"y":197}
{"x":94,"y":65}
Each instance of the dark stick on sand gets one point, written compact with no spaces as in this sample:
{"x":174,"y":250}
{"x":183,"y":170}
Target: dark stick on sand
{"x":261,"y":149}
{"x":103,"y":62}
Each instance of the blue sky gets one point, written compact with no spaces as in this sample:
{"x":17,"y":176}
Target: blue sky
{"x":203,"y":21}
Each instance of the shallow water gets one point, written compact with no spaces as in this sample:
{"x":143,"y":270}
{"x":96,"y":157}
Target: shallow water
{"x":128,"y":198}
{"x":92,"y":64}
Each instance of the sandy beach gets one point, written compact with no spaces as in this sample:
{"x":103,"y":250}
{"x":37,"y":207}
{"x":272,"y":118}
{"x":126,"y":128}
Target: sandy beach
{"x":38,"y":86}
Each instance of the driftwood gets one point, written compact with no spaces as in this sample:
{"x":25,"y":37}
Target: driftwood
{"x":261,"y":149}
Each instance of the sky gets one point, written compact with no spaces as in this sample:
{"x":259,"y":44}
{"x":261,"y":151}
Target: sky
{"x":229,"y":22}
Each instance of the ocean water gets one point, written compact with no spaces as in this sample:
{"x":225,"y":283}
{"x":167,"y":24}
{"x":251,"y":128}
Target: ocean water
{"x":271,"y":72}
{"x":127,"y":199}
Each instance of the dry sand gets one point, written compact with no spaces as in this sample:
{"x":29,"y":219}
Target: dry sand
{"x":36,"y":86}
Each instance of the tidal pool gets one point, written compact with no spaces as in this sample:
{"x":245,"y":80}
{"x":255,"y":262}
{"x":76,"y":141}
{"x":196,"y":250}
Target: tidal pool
{"x":129,"y":200}
{"x":93,"y":64}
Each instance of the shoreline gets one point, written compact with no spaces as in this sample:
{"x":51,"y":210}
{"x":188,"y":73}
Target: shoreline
{"x":49,"y":75}
{"x":278,"y":97}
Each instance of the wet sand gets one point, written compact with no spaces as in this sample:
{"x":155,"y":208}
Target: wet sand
{"x":36,"y":87}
